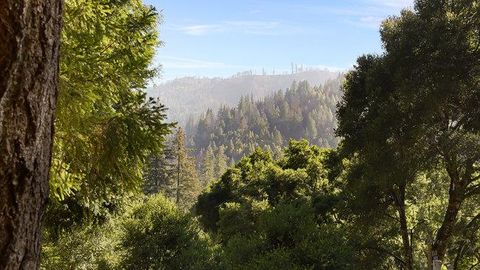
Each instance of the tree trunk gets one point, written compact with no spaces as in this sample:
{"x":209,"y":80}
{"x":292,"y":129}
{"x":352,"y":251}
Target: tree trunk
{"x":442,"y":238}
{"x":399,"y":196}
{"x":29,"y":53}
{"x":456,"y":196}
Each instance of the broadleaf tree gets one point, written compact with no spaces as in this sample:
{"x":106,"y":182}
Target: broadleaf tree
{"x":414,"y":109}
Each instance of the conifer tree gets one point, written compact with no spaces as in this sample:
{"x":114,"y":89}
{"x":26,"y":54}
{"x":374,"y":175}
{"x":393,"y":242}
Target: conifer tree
{"x":208,"y":166}
{"x":221,"y":164}
{"x":160,"y":176}
{"x":311,"y":128}
{"x":186,"y":178}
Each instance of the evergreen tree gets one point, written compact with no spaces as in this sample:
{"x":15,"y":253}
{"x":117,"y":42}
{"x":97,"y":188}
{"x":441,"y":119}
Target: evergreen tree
{"x":106,"y":128}
{"x":277,"y":137}
{"x":160,"y":174}
{"x":187,"y":185}
{"x":311,"y":129}
{"x":208,"y":166}
{"x":221,"y":164}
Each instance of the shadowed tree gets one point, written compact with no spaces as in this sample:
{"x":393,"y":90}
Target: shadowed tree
{"x":415,"y":109}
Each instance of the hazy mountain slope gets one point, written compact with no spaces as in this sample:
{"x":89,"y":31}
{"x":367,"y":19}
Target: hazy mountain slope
{"x":300,"y":111}
{"x":193,"y":96}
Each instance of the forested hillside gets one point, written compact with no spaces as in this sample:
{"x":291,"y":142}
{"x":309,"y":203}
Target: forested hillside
{"x":300,"y":111}
{"x":378,"y":168}
{"x":191,"y":96}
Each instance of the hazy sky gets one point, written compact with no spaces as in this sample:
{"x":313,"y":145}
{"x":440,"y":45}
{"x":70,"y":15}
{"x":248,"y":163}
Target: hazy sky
{"x":222,"y":37}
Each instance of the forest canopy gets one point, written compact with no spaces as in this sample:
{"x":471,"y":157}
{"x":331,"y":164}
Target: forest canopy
{"x":268,"y":184}
{"x":376,"y":168}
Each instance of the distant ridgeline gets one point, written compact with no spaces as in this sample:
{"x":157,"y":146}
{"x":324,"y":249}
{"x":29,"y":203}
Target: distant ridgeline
{"x":192,"y":96}
{"x":302,"y":111}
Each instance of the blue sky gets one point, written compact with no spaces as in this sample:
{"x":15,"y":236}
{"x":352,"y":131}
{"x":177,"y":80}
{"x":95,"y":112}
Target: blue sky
{"x":220,"y":38}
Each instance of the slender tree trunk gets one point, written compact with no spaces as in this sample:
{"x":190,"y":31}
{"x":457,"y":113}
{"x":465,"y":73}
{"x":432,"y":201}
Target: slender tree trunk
{"x":179,"y":146}
{"x":29,"y":53}
{"x":404,"y":231}
{"x":177,"y":196}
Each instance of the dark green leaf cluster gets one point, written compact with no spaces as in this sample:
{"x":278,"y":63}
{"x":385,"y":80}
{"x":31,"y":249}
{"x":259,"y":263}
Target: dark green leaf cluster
{"x":410,"y":119}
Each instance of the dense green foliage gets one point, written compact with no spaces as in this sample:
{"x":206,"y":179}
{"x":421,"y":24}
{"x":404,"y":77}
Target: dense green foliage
{"x":410,"y":118}
{"x":158,"y":236}
{"x":105,"y":127}
{"x":278,"y":214}
{"x":150,"y":234}
{"x":83,"y":247}
{"x":401,"y":190}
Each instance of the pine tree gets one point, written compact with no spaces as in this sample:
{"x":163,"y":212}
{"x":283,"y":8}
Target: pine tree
{"x":190,"y":129}
{"x":187,"y":183}
{"x":277,"y":137}
{"x":190,"y":185}
{"x":160,"y":176}
{"x":208,"y":169}
{"x":221,"y":164}
{"x":311,"y":129}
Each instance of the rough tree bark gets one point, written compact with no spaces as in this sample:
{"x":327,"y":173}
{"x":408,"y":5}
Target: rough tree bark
{"x":29,"y":54}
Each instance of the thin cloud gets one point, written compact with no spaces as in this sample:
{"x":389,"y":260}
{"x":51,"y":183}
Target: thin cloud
{"x":242,"y":27}
{"x":376,"y":11}
{"x":379,"y":10}
{"x":364,"y":13}
{"x":200,"y":29}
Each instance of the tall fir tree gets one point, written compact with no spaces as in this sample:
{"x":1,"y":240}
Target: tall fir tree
{"x":311,"y":129}
{"x":160,"y":175}
{"x":208,"y":168}
{"x":221,"y":162}
{"x":187,"y":184}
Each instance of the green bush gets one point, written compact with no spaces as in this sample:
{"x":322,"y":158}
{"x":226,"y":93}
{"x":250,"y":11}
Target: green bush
{"x":288,"y":237}
{"x":159,"y":236}
{"x":151,"y":234}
